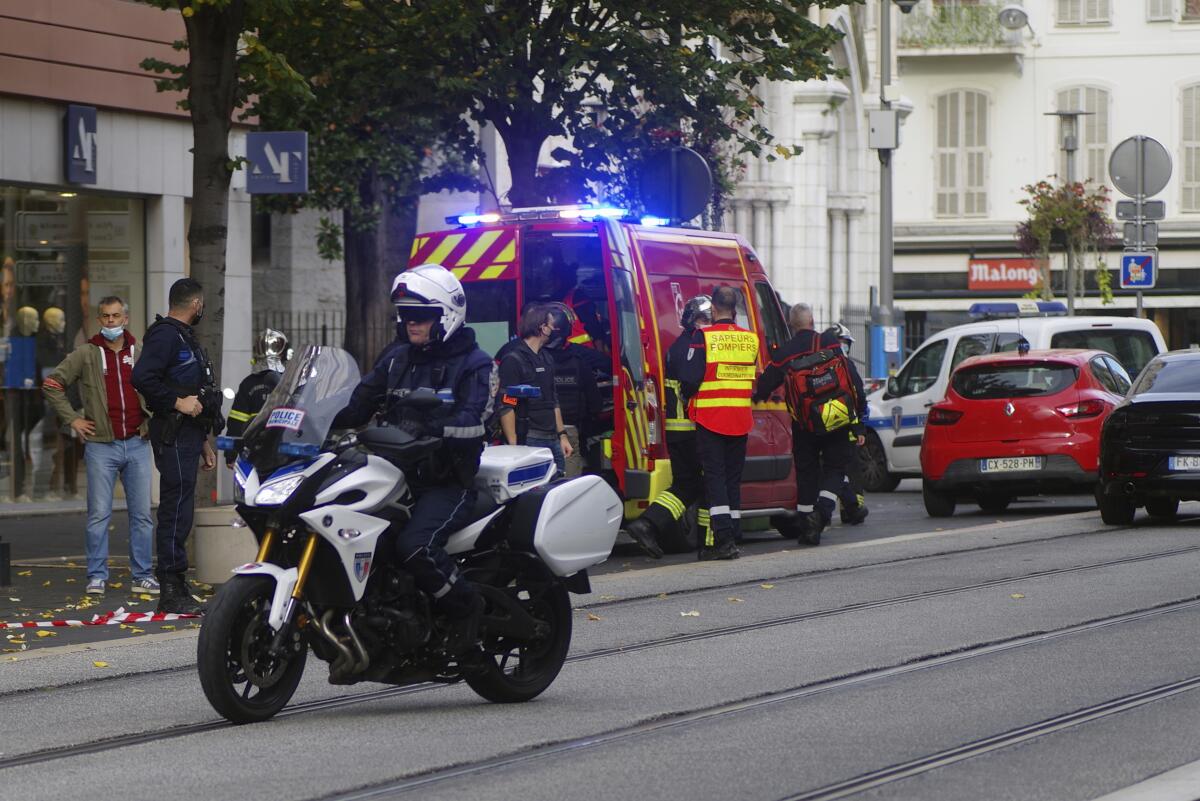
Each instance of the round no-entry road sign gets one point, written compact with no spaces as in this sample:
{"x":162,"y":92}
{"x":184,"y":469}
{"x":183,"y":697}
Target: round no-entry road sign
{"x":1156,"y":166}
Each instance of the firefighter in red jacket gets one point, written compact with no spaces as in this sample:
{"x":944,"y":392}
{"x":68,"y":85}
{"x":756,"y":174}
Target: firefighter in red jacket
{"x":718,"y":376}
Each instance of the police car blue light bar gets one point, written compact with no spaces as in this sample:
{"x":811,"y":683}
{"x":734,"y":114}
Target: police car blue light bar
{"x":299,"y":449}
{"x":1020,"y":308}
{"x":655,"y":221}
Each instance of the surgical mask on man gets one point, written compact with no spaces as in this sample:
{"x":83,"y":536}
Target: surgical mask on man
{"x":112,"y":333}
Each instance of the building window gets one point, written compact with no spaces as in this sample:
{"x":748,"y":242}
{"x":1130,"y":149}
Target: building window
{"x":1091,"y":160}
{"x":1191,"y":9}
{"x":1160,"y":10}
{"x":1190,"y":129}
{"x":960,"y":160}
{"x":1084,"y":12}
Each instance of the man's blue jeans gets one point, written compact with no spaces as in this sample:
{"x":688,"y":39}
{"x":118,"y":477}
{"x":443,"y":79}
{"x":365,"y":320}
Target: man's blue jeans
{"x":129,"y":459}
{"x":555,"y":446}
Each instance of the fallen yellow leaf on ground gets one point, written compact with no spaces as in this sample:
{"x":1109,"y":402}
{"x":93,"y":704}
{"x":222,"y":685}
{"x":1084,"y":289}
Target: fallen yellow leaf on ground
{"x":593,"y":617}
{"x":99,"y":664}
{"x":1018,"y":596}
{"x":767,"y":586}
{"x":662,"y":596}
{"x":45,"y":584}
{"x":168,"y":628}
{"x":692,"y":613}
{"x":735,"y":600}
{"x":25,"y":573}
{"x":45,"y":633}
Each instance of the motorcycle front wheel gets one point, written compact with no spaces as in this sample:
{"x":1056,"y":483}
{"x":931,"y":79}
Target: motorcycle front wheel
{"x":240,"y":678}
{"x":516,"y":671}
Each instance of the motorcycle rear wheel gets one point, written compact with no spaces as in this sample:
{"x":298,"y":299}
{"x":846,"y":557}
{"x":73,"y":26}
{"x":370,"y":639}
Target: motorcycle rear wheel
{"x":241,"y":680}
{"x":513,"y":671}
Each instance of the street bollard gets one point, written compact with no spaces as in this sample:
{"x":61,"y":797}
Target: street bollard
{"x":5,"y":565}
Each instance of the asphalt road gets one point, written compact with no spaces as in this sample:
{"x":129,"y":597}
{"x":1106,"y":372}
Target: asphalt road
{"x":1022,"y":659}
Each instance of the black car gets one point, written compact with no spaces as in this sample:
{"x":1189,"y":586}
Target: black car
{"x":1150,"y":444}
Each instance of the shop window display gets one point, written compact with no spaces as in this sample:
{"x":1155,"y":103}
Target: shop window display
{"x":60,"y":252}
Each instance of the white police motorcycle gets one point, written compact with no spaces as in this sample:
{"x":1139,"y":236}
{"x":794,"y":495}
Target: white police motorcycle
{"x":325,"y":577}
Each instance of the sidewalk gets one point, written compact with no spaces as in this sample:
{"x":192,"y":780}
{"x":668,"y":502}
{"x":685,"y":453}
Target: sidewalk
{"x":49,"y":574}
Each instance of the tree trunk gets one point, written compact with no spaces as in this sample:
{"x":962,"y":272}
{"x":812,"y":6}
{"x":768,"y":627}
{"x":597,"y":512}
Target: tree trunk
{"x":523,"y":147}
{"x":212,"y":90}
{"x":373,"y":257}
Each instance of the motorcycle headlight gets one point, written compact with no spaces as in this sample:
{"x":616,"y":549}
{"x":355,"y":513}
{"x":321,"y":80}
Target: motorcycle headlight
{"x":276,"y":492}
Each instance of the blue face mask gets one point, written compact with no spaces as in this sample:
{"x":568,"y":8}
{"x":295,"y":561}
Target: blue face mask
{"x":112,"y":333}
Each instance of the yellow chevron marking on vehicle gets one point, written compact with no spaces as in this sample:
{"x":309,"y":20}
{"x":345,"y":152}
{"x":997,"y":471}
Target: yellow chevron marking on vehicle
{"x":510,"y":251}
{"x":495,"y":271}
{"x":485,"y":241}
{"x":459,"y":272}
{"x":418,"y":243}
{"x":444,"y":249}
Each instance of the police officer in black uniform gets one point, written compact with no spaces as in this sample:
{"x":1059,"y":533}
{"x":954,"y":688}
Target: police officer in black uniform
{"x":270,"y":353}
{"x":577,"y":373}
{"x":434,"y":350}
{"x":176,"y":379}
{"x":687,"y":479}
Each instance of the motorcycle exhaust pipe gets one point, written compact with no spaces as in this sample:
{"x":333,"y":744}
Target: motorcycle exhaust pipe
{"x":345,"y":658}
{"x":364,"y":659}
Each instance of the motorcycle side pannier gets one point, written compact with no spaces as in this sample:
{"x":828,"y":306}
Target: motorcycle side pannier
{"x":571,"y":525}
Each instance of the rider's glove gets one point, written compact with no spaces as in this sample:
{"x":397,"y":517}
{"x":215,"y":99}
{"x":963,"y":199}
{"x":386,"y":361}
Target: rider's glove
{"x":414,"y":427}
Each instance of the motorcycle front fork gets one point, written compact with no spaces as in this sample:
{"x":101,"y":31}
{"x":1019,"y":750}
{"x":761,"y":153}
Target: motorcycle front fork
{"x":303,"y":568}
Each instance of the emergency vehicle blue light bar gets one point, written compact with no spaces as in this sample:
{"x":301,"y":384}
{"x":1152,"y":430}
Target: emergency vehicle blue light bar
{"x":1023,"y":308}
{"x":655,"y":221}
{"x":474,"y":219}
{"x":589,"y":213}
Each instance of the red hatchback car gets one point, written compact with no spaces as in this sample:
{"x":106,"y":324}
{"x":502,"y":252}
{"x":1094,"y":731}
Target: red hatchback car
{"x":1019,"y":424}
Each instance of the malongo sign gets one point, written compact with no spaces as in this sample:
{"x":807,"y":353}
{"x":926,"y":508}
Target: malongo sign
{"x":987,"y":275}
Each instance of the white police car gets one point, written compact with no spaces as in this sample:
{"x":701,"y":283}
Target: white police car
{"x":897,"y":412}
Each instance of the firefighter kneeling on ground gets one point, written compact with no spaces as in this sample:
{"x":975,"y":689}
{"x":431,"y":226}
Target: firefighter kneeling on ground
{"x":270,"y":354}
{"x":687,"y":481}
{"x":718,"y":375}
{"x":852,"y":500}
{"x":826,"y":401}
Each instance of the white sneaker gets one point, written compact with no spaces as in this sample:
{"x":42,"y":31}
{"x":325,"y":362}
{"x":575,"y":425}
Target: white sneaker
{"x":146,"y":586}
{"x":95,"y":587}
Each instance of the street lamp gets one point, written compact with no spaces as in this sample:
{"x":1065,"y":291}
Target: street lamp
{"x":885,"y":128}
{"x":1069,"y":124}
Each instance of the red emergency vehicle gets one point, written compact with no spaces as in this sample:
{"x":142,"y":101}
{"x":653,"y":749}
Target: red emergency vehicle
{"x":636,"y":276}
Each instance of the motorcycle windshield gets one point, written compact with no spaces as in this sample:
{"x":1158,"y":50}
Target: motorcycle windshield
{"x":296,"y":418}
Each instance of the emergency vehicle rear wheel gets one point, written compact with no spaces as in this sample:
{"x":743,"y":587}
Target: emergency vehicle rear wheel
{"x":872,"y":465}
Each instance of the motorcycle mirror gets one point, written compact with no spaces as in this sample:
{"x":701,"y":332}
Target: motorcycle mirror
{"x":893,"y":387}
{"x":523,"y":391}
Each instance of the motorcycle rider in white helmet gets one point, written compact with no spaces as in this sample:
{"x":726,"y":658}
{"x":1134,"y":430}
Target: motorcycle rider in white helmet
{"x":434,"y":350}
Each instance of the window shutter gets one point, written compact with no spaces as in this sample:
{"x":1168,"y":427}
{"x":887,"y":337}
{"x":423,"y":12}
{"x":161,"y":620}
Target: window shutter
{"x":1191,"y":9}
{"x":1070,"y":12}
{"x":1097,"y":12}
{"x":1159,"y":10}
{"x":1190,"y":129}
{"x":960,"y":156}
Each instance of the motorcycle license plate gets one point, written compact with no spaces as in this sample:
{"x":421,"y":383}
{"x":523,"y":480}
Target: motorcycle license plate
{"x":1010,"y":464}
{"x":1183,"y":463}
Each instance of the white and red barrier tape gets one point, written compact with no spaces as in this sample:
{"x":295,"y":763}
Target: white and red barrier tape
{"x":107,"y":619}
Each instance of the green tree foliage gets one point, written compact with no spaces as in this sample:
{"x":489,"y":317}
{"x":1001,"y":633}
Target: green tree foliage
{"x":620,"y":77}
{"x":226,"y":67}
{"x":385,"y":125}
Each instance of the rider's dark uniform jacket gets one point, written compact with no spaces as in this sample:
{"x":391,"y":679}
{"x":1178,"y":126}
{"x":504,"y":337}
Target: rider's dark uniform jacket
{"x":458,"y":365}
{"x":802,"y":343}
{"x":173,"y":366}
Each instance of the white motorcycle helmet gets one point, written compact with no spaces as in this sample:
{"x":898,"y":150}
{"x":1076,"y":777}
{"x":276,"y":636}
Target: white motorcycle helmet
{"x":433,"y":289}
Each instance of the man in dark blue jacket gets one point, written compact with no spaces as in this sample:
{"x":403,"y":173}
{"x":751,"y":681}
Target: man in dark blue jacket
{"x":176,"y":379}
{"x":434,"y":351}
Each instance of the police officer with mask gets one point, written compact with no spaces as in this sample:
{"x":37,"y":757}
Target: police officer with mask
{"x":718,"y":377}
{"x":270,"y":352}
{"x":687,"y":480}
{"x":176,"y":379}
{"x":576,"y":368}
{"x":436,"y":351}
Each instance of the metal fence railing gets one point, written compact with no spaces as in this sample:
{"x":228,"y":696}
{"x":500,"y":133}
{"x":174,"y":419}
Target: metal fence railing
{"x":305,"y":327}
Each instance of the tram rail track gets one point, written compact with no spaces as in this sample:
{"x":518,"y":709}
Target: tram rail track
{"x":116,"y":742}
{"x":674,"y":722}
{"x":780,"y":578}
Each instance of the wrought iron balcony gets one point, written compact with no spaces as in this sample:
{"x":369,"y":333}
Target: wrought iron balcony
{"x":954,"y":26}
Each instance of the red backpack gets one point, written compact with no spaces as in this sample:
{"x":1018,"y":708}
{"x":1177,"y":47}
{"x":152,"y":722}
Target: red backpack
{"x":819,"y":390}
